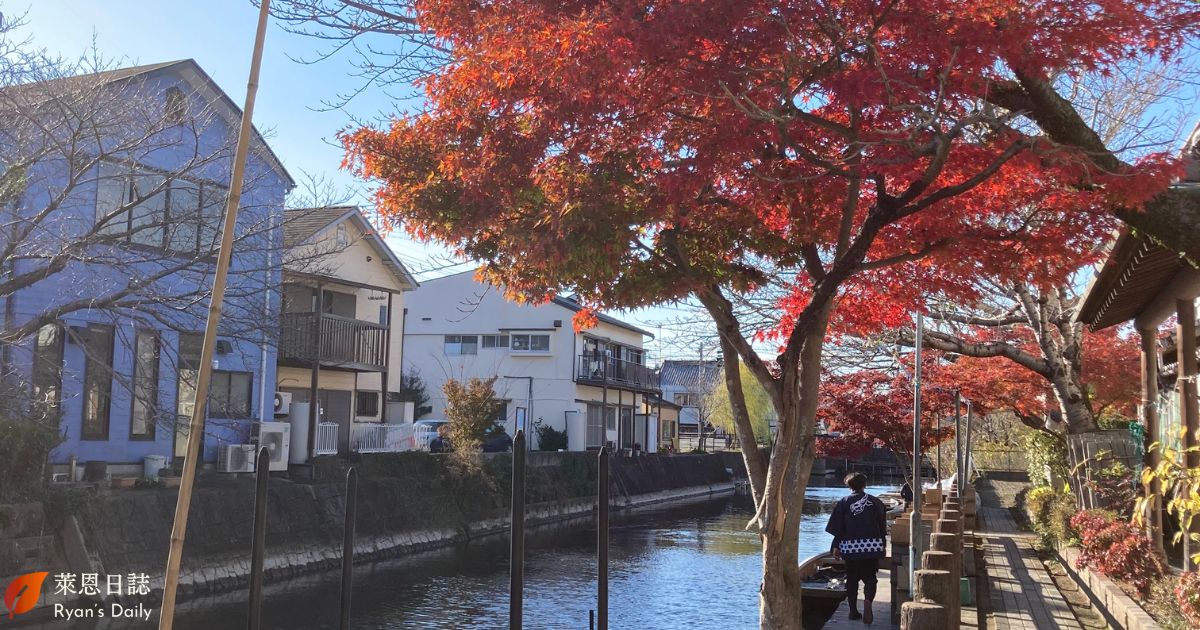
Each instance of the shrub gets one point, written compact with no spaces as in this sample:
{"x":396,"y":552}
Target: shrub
{"x":1187,"y":594}
{"x":1117,"y":549}
{"x":1114,"y":487}
{"x":549,"y":438}
{"x":1045,"y":450}
{"x":1050,"y":514}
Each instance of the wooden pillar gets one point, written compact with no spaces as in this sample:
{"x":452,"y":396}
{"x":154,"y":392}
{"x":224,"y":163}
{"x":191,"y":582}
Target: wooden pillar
{"x":937,"y":587}
{"x":1149,"y":356}
{"x":1185,"y":344}
{"x":922,"y":616}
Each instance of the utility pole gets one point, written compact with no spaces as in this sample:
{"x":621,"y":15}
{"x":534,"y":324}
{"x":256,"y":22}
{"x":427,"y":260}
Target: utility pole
{"x":195,"y":433}
{"x":914,"y":547}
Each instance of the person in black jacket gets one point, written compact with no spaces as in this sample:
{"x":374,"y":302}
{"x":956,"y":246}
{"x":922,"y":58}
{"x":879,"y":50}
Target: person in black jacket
{"x":859,"y":528}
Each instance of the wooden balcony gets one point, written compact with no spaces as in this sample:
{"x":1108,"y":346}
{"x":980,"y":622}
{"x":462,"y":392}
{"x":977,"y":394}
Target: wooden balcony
{"x":337,"y":342}
{"x":601,"y":371}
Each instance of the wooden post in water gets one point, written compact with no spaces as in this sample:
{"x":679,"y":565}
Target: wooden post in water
{"x":516,"y":538}
{"x":348,"y":530}
{"x":602,"y":490}
{"x":195,"y":438}
{"x":262,"y":472}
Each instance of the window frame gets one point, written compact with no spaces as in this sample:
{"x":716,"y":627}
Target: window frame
{"x":447,"y":344}
{"x":213,"y":400}
{"x":122,"y":230}
{"x":359,"y":396}
{"x":48,"y":408}
{"x":91,"y":365}
{"x":148,"y":397}
{"x":528,"y":349}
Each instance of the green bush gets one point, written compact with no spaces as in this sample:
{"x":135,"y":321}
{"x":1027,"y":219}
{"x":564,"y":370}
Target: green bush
{"x":1045,"y":450}
{"x":549,"y":438}
{"x":1050,"y":514}
{"x":24,"y":449}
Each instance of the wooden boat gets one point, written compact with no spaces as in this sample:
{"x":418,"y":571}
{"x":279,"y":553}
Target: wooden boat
{"x":822,"y":588}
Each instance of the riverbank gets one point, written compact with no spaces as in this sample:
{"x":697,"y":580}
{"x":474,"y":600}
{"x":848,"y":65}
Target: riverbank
{"x":407,"y":503}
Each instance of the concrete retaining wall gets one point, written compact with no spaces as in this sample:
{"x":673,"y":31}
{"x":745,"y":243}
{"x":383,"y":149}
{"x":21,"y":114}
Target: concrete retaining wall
{"x":407,"y":502}
{"x":1119,"y":609}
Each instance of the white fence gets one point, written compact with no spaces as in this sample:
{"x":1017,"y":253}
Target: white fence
{"x":381,"y":438}
{"x":327,"y":438}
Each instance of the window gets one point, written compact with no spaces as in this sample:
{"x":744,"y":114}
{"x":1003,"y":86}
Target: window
{"x":145,"y":386}
{"x":153,"y":209}
{"x":633,"y":355}
{"x":343,"y":235}
{"x":97,"y":343}
{"x":495,"y":341}
{"x":595,"y":427}
{"x":366,"y":404}
{"x":47,"y":371}
{"x":175,"y":107}
{"x":530,"y":343}
{"x":340,"y":304}
{"x":461,"y":344}
{"x":611,"y":418}
{"x":686,"y":400}
{"x":230,"y":394}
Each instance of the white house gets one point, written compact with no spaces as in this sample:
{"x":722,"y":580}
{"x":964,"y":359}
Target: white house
{"x":459,"y":328}
{"x":341,"y":332}
{"x":688,"y":383}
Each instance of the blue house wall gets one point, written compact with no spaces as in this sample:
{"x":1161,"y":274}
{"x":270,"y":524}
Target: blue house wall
{"x":253,"y":297}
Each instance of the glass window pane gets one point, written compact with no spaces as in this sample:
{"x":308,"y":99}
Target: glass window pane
{"x":539,"y":343}
{"x":520,"y":342}
{"x":112,"y":190}
{"x":185,"y":216}
{"x":145,"y":385}
{"x":489,"y":341}
{"x":97,"y":386}
{"x":47,"y":371}
{"x":470,"y":344}
{"x":502,"y":342}
{"x":148,"y":222}
{"x":212,"y":208}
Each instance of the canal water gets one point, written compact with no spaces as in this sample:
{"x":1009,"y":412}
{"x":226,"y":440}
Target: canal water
{"x":693,"y":567}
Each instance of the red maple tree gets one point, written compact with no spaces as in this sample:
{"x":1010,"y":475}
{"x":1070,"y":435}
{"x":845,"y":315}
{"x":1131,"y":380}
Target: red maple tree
{"x":874,"y":407}
{"x":851,"y":153}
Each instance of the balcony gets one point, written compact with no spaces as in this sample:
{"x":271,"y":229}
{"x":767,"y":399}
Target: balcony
{"x":617,"y":373}
{"x":333,"y":341}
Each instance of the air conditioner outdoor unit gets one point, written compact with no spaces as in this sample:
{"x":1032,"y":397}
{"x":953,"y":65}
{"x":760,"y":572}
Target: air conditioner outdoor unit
{"x":277,"y":437}
{"x":283,"y":404}
{"x":235,"y":458}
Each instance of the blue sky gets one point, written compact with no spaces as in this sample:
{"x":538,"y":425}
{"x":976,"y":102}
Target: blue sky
{"x":219,"y":35}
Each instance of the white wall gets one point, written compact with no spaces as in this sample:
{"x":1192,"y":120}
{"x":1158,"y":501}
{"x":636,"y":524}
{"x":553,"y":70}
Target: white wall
{"x":458,"y":305}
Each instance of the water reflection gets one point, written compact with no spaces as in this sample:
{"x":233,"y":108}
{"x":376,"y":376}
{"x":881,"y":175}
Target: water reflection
{"x":692,"y":567}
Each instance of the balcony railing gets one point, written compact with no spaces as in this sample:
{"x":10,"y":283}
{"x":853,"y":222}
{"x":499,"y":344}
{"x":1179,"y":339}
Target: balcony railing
{"x":381,"y":438}
{"x":595,"y":370}
{"x":343,"y":341}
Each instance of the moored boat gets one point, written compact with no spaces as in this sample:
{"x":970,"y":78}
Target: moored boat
{"x":823,"y":587}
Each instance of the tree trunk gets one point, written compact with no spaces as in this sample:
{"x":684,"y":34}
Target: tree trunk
{"x":788,"y":475}
{"x":756,"y":468}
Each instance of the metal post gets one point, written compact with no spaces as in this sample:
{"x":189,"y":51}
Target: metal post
{"x":958,"y":462}
{"x":602,"y":490}
{"x":183,"y":504}
{"x":348,"y":544}
{"x":516,"y":540}
{"x":967,"y":445}
{"x":314,"y":380}
{"x":262,"y":472}
{"x":914,"y":546}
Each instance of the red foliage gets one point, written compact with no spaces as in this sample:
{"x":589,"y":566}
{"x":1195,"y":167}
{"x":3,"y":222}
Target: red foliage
{"x":1187,"y":594}
{"x":875,"y":407}
{"x":1117,"y":549}
{"x":641,"y":152}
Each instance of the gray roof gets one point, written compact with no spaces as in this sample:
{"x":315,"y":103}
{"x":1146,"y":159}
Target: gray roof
{"x":690,"y":375}
{"x":300,"y":224}
{"x":570,"y":303}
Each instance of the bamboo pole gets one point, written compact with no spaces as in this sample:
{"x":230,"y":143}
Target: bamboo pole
{"x":195,"y":434}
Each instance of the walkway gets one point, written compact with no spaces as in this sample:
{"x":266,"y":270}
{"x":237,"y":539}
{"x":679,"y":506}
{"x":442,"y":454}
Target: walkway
{"x":1021,"y":595}
{"x":882,"y":608}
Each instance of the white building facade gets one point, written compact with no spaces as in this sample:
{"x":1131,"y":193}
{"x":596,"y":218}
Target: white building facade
{"x":593,"y":384}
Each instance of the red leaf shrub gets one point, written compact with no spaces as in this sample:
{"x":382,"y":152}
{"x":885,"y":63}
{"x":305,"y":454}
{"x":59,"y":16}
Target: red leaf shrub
{"x":1187,"y":593}
{"x":1117,"y":549}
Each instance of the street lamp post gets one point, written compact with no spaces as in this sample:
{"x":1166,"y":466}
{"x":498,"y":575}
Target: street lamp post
{"x":914,"y":547}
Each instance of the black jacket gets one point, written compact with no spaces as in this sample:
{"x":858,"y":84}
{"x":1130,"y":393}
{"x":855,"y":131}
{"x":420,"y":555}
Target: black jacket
{"x":859,"y":526}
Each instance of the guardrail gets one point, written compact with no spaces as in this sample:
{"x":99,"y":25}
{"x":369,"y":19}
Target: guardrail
{"x":381,"y":438}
